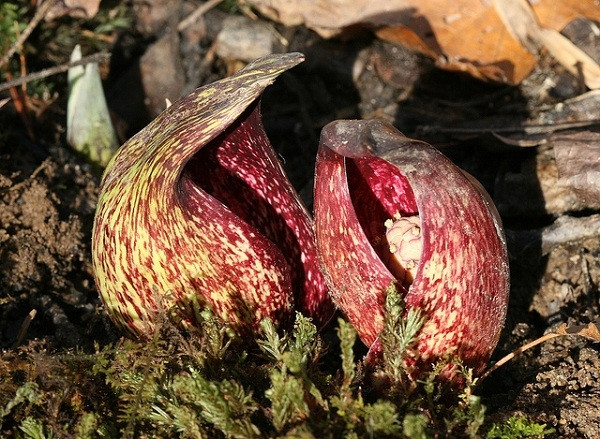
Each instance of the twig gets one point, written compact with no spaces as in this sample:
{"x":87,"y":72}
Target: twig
{"x":589,"y":331}
{"x":202,"y":9}
{"x":518,"y":351}
{"x":23,"y":329}
{"x":39,"y":14}
{"x":97,"y":57}
{"x":528,"y":129}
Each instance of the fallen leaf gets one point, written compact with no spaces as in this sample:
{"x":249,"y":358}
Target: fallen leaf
{"x":528,"y":142}
{"x":590,"y":330}
{"x":579,"y":111}
{"x":464,"y":35}
{"x":520,"y":21}
{"x":568,"y":230}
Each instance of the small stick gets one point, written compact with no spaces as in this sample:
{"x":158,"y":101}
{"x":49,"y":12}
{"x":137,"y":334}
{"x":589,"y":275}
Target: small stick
{"x":527,"y":129}
{"x":24,"y":328}
{"x":97,"y":57}
{"x":202,"y":9}
{"x":518,"y":351}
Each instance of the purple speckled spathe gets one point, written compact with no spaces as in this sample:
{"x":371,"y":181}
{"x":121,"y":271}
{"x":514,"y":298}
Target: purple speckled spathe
{"x":367,"y":172}
{"x":196,"y":211}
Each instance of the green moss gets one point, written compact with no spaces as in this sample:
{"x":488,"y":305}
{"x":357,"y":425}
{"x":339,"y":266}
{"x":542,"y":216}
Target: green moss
{"x":518,"y":427}
{"x":12,"y":20}
{"x":213,"y":384}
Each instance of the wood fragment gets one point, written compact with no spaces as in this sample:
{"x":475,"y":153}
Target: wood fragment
{"x":577,"y":159}
{"x":23,"y":329}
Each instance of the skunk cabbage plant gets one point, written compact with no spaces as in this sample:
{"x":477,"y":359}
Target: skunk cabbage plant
{"x":195,"y":211}
{"x":394,"y":211}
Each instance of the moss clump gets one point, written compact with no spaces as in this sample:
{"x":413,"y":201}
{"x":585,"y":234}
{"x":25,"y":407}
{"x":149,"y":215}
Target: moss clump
{"x":213,"y":384}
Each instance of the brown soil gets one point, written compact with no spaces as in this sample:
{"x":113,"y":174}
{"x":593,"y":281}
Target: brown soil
{"x":48,"y":194}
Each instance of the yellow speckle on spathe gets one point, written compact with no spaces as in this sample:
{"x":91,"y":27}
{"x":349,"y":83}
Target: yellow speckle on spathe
{"x":153,"y":209}
{"x":240,"y":249}
{"x":450,"y":335}
{"x":429,"y":328}
{"x":457,"y":301}
{"x":451,"y":318}
{"x":433,"y":270}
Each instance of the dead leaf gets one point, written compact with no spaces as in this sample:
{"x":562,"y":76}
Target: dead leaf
{"x":464,"y":35}
{"x":73,"y":8}
{"x":578,"y":161}
{"x":569,"y":230}
{"x":590,"y":330}
{"x":520,"y":21}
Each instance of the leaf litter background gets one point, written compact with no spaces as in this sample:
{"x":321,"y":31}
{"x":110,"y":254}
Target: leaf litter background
{"x":531,"y":138}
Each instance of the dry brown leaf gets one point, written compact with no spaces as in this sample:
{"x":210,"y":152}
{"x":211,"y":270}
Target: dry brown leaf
{"x":578,"y":161}
{"x":580,"y":111}
{"x":466,"y":35}
{"x":589,"y":331}
{"x":520,"y":21}
{"x":557,"y":14}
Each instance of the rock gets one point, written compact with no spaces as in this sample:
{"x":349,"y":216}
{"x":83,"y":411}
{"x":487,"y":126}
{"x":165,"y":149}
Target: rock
{"x":161,"y":73}
{"x":153,"y":16}
{"x":243,"y":39}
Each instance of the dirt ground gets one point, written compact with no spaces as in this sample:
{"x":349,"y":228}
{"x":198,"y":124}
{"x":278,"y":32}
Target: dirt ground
{"x":48,"y":195}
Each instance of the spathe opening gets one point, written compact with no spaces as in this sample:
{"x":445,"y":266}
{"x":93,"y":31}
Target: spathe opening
{"x":240,"y":169}
{"x":381,"y":194}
